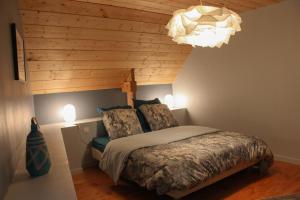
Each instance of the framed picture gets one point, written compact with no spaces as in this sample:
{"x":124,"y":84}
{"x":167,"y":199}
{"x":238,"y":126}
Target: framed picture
{"x":18,"y":54}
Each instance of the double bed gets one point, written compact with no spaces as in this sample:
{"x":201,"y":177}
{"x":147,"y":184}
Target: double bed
{"x":180,"y":160}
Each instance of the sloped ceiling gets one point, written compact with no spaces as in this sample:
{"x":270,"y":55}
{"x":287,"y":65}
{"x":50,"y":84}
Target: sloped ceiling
{"x":75,"y":45}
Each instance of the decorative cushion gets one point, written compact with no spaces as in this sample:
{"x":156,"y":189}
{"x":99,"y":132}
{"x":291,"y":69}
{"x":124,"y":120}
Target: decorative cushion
{"x":142,"y":119}
{"x":121,"y":123}
{"x":158,"y":116}
{"x":100,"y":110}
{"x":100,"y":126}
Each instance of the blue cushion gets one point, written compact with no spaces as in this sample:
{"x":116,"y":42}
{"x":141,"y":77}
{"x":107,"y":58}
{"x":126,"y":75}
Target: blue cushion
{"x":100,"y":142}
{"x":142,"y":119}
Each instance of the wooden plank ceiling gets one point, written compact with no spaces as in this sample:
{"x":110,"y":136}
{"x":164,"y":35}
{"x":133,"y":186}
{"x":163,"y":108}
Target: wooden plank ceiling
{"x":76,"y":45}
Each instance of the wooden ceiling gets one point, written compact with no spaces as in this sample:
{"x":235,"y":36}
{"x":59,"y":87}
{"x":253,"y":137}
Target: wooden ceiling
{"x":76,"y":45}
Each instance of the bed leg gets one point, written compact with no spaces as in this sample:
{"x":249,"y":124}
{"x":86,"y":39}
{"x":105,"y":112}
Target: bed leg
{"x":176,"y":197}
{"x":263,"y":167}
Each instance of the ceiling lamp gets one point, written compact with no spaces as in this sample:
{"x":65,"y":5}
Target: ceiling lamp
{"x":204,"y":26}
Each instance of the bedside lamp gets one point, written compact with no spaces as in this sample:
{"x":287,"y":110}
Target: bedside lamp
{"x":69,"y":113}
{"x":169,"y":101}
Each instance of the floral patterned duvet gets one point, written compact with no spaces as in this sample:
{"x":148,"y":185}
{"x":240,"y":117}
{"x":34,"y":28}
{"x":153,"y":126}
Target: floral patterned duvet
{"x":183,"y":164}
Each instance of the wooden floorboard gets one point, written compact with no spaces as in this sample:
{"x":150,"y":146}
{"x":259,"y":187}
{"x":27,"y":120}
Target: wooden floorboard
{"x":282,"y":178}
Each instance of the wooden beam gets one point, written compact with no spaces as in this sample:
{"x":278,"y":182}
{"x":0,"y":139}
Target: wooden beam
{"x":36,"y":66}
{"x":79,"y":74}
{"x":76,"y":89}
{"x":84,"y":55}
{"x":93,"y":10}
{"x":79,"y":21}
{"x":72,"y":83}
{"x":129,"y":87}
{"x":77,"y":44}
{"x":56,"y":32}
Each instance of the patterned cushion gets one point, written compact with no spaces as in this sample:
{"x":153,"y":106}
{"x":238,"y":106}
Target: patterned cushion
{"x":158,"y":116}
{"x":143,"y":121}
{"x":121,"y":123}
{"x":100,"y":126}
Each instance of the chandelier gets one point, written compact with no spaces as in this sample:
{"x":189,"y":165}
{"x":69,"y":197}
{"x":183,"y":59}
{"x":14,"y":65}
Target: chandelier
{"x":204,"y":26}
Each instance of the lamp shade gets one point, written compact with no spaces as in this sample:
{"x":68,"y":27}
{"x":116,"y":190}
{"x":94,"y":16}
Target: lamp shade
{"x":69,"y":113}
{"x":169,"y":101}
{"x":180,"y":101}
{"x":204,"y":26}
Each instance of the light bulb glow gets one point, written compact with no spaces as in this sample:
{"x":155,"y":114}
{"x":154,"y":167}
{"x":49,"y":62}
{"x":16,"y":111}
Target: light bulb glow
{"x":69,"y":113}
{"x":169,"y":101}
{"x":204,"y":26}
{"x":180,"y":101}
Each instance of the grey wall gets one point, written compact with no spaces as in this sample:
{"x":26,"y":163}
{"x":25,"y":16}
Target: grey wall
{"x":153,"y":91}
{"x":48,"y":107}
{"x":253,"y":84}
{"x":15,"y":100}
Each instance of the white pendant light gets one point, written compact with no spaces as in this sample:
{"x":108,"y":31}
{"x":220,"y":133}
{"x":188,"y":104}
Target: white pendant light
{"x":204,"y":26}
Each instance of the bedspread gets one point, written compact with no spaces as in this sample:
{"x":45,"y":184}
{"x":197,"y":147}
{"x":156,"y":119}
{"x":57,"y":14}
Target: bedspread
{"x":183,"y":164}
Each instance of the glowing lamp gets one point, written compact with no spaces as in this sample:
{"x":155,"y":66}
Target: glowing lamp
{"x":180,"y":101}
{"x":204,"y":26}
{"x":169,"y":101}
{"x":69,"y":113}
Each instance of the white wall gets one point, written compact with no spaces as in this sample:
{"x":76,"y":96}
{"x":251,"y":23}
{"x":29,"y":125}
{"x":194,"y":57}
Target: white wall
{"x":16,"y":105}
{"x":253,"y":84}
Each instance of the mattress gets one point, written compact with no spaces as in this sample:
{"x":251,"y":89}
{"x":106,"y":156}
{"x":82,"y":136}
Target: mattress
{"x":100,"y":143}
{"x":96,"y":154}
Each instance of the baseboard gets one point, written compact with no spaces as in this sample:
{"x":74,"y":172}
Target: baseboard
{"x":287,"y":159}
{"x":85,"y":165}
{"x":76,"y":171}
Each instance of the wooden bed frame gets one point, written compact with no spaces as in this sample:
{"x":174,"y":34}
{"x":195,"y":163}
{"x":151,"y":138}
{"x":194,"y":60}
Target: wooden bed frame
{"x":178,"y":194}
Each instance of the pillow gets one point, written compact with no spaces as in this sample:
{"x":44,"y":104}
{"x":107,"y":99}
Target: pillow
{"x":100,"y":142}
{"x":137,"y":103}
{"x":121,"y":123}
{"x":142,"y":119}
{"x":101,"y":131}
{"x":101,"y":110}
{"x":158,"y":116}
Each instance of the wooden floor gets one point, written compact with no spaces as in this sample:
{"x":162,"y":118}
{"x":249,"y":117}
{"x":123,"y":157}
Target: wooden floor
{"x":282,"y":178}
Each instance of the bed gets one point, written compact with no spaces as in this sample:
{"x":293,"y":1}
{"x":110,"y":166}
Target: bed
{"x":180,"y":160}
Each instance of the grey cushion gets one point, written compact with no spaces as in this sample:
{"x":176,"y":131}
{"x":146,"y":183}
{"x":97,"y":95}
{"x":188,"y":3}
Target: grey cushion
{"x":158,"y":116}
{"x":121,"y":123}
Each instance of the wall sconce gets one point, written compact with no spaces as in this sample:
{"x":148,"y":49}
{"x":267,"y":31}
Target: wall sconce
{"x":169,"y":101}
{"x":69,"y":113}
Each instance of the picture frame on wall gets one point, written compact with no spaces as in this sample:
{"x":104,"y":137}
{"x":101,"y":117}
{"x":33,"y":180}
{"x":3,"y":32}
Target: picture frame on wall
{"x":18,"y":54}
